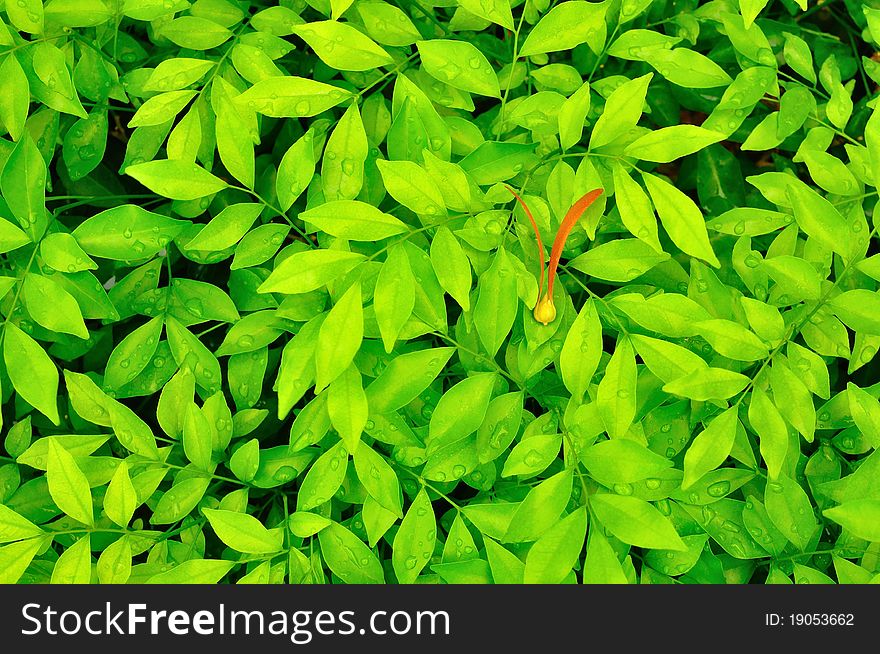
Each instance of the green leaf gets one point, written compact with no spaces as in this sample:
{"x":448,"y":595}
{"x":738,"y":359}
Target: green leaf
{"x":342,"y":169}
{"x":799,"y":56}
{"x":193,"y":571}
{"x":622,"y":111}
{"x":16,"y":557}
{"x":132,"y":432}
{"x":532,"y":455}
{"x":405,"y":377}
{"x":177,"y":73}
{"x":681,"y":218}
{"x":794,"y":276}
{"x":495,"y":11}
{"x":857,"y":309}
{"x":245,"y":461}
{"x":496,"y":305}
{"x":861,"y":517}
{"x":636,"y":211}
{"x":793,"y":399}
{"x":226,"y":228}
{"x":296,"y":374}
{"x":451,"y":266}
{"x":133,"y":353}
{"x":120,"y":500}
{"x":495,"y":161}
{"x":53,"y":307}
{"x":377,"y":520}
{"x":506,"y":567}
{"x":179,"y":500}
{"x":687,"y":68}
{"x":243,"y":532}
{"x":36,"y":455}
{"x":341,"y":46}
{"x":865,"y":411}
{"x":175,"y":179}
{"x":309,"y":270}
{"x":305,"y":524}
{"x":15,"y":527}
{"x":347,"y":407}
{"x":500,"y":426}
{"x":581,"y":351}
{"x":195,"y":32}
{"x":567,"y":25}
{"x":616,"y":396}
{"x":819,"y":219}
{"x":622,"y":461}
{"x":23,"y":185}
{"x":68,"y":485}
{"x":710,"y":448}
{"x":62,"y":253}
{"x":771,"y":429}
{"x":197,"y":438}
{"x":412,"y":186}
{"x":731,"y":339}
{"x":348,"y":557}
{"x":126,"y":232}
{"x":353,"y":220}
{"x":540,"y":509}
{"x":291,"y":97}
{"x":414,"y":542}
{"x":378,"y":478}
{"x":680,"y":368}
{"x":460,"y":65}
{"x":811,"y":369}
{"x":553,"y":555}
{"x":395,"y":296}
{"x":323,"y":479}
{"x":670,"y":143}
{"x":461,"y":409}
{"x":11,"y":237}
{"x":295,"y":170}
{"x":621,"y":260}
{"x":31,"y":371}
{"x":15,"y":98}
{"x":114,"y":563}
{"x":636,"y":522}
{"x":389,"y":25}
{"x":790,"y":510}
{"x":675,"y":563}
{"x":74,"y":566}
{"x":572,"y":115}
{"x":27,"y":16}
{"x":339,"y":338}
{"x":161,"y":108}
{"x":601,"y":565}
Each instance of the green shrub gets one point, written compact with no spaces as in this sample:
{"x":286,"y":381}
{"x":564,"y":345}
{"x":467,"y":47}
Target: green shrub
{"x":268,"y":293}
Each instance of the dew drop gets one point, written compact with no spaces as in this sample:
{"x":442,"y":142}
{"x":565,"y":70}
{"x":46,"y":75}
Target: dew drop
{"x":622,"y":489}
{"x":719,"y":489}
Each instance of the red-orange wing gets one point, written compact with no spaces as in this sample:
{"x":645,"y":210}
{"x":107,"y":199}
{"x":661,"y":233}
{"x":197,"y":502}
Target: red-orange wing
{"x":571,"y":217}
{"x":537,"y":236}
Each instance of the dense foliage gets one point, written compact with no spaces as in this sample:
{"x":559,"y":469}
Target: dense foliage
{"x":268,"y":299}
